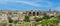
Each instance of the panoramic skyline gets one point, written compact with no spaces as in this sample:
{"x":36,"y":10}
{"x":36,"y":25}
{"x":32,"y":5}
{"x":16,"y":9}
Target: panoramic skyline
{"x":30,"y":4}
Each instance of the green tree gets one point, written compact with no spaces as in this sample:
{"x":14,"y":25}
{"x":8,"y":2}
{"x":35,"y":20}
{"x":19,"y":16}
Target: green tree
{"x":53,"y":21}
{"x":16,"y":21}
{"x":26,"y":19}
{"x":10,"y":24}
{"x":38,"y":19}
{"x":10,"y":20}
{"x":46,"y":17}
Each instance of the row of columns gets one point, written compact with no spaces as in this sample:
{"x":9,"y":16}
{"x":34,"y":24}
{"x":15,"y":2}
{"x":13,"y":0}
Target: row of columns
{"x":32,"y":13}
{"x":35,"y":13}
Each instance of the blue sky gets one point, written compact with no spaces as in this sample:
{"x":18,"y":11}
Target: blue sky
{"x":29,"y":4}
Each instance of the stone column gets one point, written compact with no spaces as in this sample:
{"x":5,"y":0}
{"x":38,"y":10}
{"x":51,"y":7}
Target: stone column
{"x":32,"y":24}
{"x":35,"y":13}
{"x":39,"y":13}
{"x":48,"y":24}
{"x":27,"y":13}
{"x":31,"y":13}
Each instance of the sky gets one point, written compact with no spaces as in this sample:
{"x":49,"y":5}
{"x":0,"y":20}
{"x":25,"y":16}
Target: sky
{"x":29,"y":4}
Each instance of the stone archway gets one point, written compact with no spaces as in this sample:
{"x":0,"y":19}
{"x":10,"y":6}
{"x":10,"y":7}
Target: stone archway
{"x":33,"y":13}
{"x":37,"y":13}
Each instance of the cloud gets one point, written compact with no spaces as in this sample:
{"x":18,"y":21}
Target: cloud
{"x":36,"y":3}
{"x":3,"y":1}
{"x":29,"y":3}
{"x":26,"y":4}
{"x":57,"y":8}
